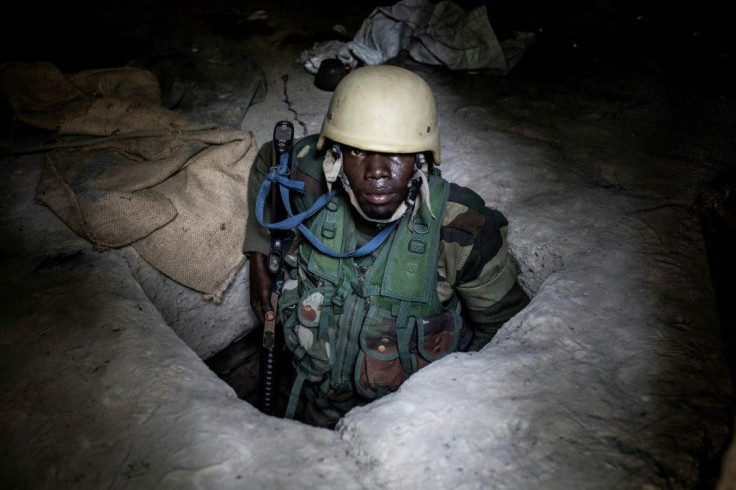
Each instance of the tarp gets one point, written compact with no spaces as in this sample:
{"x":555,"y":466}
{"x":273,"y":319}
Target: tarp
{"x":436,"y":34}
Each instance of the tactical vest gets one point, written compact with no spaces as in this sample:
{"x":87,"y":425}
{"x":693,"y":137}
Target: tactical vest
{"x":365,"y":325}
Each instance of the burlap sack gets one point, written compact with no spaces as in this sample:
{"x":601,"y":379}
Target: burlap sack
{"x":140,"y":175}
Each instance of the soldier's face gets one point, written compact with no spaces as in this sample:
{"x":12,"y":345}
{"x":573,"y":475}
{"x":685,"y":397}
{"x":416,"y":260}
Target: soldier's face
{"x":379,"y":180}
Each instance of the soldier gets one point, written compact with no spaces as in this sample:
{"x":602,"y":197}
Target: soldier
{"x":398,"y":269}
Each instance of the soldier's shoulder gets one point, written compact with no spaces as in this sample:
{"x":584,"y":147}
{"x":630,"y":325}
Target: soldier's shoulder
{"x":305,"y":148}
{"x":472,"y":232}
{"x":308,"y":158}
{"x":467,"y":210}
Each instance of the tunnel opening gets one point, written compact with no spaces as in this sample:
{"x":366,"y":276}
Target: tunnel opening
{"x":240,"y":365}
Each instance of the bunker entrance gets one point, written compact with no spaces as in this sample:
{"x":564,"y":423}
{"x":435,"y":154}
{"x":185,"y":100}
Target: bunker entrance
{"x":239,"y":365}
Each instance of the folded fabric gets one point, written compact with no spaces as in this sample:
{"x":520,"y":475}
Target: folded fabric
{"x":126,"y":171}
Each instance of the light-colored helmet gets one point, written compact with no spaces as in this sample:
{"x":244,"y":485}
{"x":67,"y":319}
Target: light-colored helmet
{"x":383,"y":108}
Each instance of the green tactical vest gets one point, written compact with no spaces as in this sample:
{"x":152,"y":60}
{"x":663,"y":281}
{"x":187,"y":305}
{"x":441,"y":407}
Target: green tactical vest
{"x":365,"y":325}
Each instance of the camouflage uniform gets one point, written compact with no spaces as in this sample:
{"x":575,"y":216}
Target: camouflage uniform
{"x":345,"y":319}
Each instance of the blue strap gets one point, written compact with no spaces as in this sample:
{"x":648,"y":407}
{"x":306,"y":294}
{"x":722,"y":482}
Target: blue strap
{"x":279,"y":175}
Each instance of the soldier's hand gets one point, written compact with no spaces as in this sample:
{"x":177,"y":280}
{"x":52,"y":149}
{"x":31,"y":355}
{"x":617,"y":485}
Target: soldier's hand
{"x":260,"y":286}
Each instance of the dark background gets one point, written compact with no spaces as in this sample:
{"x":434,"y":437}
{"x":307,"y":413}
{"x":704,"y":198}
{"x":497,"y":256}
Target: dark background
{"x":691,"y":42}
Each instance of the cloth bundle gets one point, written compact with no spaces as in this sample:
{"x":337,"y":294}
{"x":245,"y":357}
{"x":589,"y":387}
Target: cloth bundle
{"x":434,"y":34}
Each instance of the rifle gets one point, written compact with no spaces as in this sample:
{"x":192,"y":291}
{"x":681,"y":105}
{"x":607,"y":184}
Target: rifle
{"x":283,"y":140}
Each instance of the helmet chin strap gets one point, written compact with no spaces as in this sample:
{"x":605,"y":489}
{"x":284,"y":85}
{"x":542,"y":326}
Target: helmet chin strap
{"x":418,"y":185}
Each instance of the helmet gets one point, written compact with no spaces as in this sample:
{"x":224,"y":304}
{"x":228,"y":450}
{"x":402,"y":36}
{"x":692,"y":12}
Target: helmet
{"x":383,"y":108}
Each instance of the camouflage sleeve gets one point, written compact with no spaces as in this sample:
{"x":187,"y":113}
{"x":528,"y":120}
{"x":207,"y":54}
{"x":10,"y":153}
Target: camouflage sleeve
{"x":486,"y":323}
{"x":477,"y":265}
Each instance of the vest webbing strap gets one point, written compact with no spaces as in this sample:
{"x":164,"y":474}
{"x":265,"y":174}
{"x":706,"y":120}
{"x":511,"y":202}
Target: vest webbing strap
{"x":404,"y":329}
{"x":296,"y":389}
